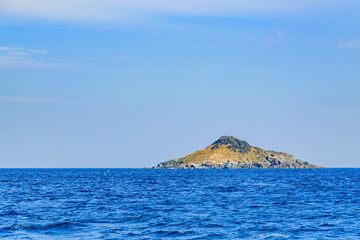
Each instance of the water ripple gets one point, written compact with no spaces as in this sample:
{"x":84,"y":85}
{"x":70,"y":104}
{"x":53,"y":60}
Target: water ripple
{"x":188,"y":204}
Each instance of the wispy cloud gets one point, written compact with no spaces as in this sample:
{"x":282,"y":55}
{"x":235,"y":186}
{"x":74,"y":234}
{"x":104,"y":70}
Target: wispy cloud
{"x":19,"y":99}
{"x":135,"y":10}
{"x":252,"y":37}
{"x":20,"y":51}
{"x":349,"y":44}
{"x":20,"y":57}
{"x":221,"y":44}
{"x":276,"y":38}
{"x":216,"y":44}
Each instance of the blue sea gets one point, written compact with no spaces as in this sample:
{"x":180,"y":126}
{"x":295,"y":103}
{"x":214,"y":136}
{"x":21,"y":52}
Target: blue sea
{"x":182,"y":204}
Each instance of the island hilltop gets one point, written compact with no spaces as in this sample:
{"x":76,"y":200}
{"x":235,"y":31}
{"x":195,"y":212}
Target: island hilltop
{"x":232,"y":153}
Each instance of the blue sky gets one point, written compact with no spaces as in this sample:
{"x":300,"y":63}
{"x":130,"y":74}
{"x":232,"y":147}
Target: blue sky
{"x":130,"y":84}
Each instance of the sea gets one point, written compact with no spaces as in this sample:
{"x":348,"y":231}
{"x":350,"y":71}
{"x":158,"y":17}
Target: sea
{"x":180,"y":204}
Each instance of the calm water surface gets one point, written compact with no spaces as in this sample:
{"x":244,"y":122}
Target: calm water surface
{"x":186,"y":204}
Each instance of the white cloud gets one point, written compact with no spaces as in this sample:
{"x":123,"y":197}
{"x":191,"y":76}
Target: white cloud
{"x":135,"y":10}
{"x":20,"y":57}
{"x":19,"y":99}
{"x":349,"y":44}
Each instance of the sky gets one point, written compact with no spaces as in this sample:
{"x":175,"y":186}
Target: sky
{"x":129,"y":84}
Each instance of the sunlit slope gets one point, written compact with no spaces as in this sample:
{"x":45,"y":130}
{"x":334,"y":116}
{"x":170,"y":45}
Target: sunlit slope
{"x":220,"y":155}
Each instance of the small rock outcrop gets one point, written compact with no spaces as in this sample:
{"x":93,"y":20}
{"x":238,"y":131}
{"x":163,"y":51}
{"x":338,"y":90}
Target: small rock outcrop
{"x":231,"y":153}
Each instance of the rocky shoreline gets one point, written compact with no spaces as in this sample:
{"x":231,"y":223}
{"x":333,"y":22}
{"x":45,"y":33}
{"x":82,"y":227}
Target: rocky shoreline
{"x":231,"y":165}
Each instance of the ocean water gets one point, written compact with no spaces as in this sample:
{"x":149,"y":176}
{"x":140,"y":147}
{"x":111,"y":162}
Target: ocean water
{"x":182,"y":204}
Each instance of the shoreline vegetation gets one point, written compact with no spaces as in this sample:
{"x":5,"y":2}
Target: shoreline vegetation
{"x":231,"y":153}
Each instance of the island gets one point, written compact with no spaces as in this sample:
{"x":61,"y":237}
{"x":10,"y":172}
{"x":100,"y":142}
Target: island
{"x":231,"y":153}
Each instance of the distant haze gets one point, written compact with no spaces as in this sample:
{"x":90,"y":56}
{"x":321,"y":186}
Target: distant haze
{"x":131,"y":84}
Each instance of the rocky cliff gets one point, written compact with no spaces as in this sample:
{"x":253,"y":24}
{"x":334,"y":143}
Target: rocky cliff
{"x":232,"y":153}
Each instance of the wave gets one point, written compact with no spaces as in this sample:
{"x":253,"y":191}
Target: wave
{"x":60,"y":225}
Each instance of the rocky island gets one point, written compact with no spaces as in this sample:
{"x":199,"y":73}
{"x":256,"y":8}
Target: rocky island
{"x":231,"y":153}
